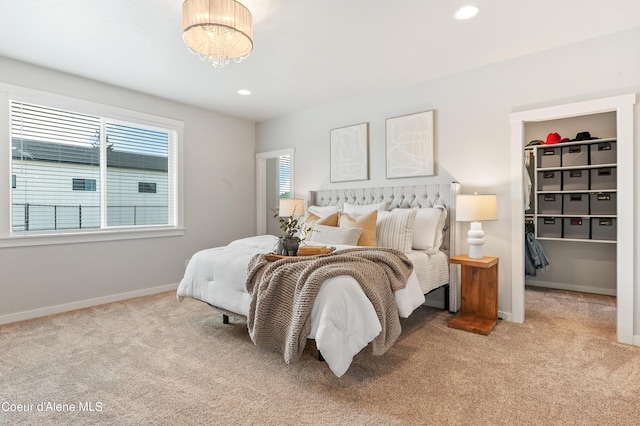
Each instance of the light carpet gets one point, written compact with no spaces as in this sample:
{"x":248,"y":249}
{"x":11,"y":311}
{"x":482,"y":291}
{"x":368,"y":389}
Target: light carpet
{"x":154,"y":361}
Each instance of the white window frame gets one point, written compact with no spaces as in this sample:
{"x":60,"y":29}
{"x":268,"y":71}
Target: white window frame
{"x":10,"y":93}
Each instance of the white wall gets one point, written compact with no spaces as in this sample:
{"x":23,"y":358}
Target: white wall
{"x":218,"y":164}
{"x":472,"y":108}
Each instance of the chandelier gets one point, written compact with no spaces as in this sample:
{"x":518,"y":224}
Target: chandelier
{"x":217,"y":30}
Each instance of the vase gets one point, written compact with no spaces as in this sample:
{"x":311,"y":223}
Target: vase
{"x":290,"y":246}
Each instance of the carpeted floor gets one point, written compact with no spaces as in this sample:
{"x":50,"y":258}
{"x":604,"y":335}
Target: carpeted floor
{"x":153,"y":361}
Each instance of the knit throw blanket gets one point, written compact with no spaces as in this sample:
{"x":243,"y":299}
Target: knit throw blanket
{"x":283,"y":293}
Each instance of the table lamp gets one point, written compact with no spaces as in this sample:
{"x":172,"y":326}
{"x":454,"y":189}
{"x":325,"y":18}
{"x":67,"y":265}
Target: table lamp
{"x":291,"y":207}
{"x":475,"y":208}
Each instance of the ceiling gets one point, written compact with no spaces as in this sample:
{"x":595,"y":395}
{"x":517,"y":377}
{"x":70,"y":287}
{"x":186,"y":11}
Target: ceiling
{"x":306,"y":52}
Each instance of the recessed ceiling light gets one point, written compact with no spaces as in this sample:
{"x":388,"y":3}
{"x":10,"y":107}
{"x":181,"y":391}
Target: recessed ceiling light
{"x":244,"y":92}
{"x":466,"y":12}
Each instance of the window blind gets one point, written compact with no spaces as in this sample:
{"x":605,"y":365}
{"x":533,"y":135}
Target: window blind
{"x":135,"y":155}
{"x":76,"y":171}
{"x":284,"y":176}
{"x":50,"y":148}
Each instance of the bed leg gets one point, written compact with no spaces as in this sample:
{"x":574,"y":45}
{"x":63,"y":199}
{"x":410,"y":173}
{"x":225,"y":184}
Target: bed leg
{"x":446,"y":298}
{"x":225,"y":319}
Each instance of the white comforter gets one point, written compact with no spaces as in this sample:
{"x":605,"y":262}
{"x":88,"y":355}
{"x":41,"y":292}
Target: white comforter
{"x":343,"y":319}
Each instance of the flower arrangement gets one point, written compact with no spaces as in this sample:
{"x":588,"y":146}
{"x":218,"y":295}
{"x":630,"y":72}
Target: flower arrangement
{"x":292,"y":226}
{"x":294,"y":233}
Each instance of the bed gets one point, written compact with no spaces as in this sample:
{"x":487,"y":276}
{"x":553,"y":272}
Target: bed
{"x":343,"y":319}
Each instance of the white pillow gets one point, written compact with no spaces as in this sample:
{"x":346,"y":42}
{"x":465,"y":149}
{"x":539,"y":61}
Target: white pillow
{"x":357,"y":209}
{"x":335,"y":235}
{"x":428,"y":229}
{"x":395,"y":229}
{"x":323,"y":211}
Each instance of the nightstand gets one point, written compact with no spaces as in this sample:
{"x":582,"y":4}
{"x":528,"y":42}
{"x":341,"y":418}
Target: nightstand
{"x":479,"y":294}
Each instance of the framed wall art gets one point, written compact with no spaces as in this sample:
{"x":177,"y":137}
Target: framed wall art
{"x":409,"y":145}
{"x":349,"y":154}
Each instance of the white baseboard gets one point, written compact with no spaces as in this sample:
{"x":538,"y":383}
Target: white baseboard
{"x":50,"y":310}
{"x":572,"y":287}
{"x":506,"y":316}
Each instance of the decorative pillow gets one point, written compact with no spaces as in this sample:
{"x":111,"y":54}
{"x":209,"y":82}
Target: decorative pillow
{"x":428,"y":229}
{"x":323,"y":211}
{"x":310,"y":220}
{"x":395,"y":229}
{"x":367,"y":222}
{"x":357,"y":209}
{"x":335,"y":235}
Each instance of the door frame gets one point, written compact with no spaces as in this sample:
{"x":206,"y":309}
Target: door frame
{"x":261,"y":184}
{"x":625,"y":248}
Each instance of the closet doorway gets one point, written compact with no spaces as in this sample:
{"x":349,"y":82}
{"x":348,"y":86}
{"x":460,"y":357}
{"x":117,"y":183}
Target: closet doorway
{"x":522,"y":122}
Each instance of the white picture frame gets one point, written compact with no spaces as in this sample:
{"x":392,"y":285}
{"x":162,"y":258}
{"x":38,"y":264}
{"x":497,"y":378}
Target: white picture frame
{"x":409,"y":145}
{"x":349,"y":153}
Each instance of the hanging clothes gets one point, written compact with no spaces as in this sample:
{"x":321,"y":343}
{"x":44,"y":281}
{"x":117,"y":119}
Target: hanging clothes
{"x":535,"y":257}
{"x":526,"y":179}
{"x":529,"y":267}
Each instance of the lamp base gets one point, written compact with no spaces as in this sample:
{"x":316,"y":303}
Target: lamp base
{"x":475,"y":239}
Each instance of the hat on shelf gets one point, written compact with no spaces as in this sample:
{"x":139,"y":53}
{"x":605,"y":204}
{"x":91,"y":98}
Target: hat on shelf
{"x":535,"y":142}
{"x":583,"y":136}
{"x":555,"y":138}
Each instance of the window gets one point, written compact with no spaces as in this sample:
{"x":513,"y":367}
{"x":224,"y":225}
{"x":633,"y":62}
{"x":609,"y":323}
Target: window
{"x":51,"y":147}
{"x":84,"y":184}
{"x":284,"y":176}
{"x":13,"y":181}
{"x":147,"y":187}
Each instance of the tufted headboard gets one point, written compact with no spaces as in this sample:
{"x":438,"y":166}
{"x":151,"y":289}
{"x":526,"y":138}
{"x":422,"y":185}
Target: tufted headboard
{"x":407,"y":197}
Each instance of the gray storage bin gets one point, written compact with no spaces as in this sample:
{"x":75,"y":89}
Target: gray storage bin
{"x":603,"y":229}
{"x":604,"y":178}
{"x":576,"y":228}
{"x":575,"y":180}
{"x":550,"y":180}
{"x":602,"y":203}
{"x":550,"y":203}
{"x":575,"y":155}
{"x":575,"y":204}
{"x":549,"y":157}
{"x":550,"y":227}
{"x":604,"y":153}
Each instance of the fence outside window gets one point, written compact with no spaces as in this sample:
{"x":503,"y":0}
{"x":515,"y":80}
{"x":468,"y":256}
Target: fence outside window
{"x":55,"y":217}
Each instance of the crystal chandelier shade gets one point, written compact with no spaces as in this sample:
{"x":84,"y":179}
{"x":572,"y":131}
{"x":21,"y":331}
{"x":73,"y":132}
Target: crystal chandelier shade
{"x":217,"y":30}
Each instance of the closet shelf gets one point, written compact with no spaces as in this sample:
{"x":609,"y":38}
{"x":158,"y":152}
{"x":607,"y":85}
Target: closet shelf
{"x":586,"y":216}
{"x":578,"y":191}
{"x":590,"y":166}
{"x":574,"y":180}
{"x":584,"y":142}
{"x":579,"y":240}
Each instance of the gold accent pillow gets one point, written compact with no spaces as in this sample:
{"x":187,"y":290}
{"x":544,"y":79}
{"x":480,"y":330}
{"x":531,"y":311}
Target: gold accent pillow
{"x":311,"y":220}
{"x":366,"y":221}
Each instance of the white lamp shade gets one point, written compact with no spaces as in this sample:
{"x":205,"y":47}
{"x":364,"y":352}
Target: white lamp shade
{"x":291,"y":207}
{"x":476,"y":207}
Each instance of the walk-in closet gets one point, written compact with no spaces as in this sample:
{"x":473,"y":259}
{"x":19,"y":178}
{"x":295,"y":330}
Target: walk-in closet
{"x":571,"y":166}
{"x":576,"y":197}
